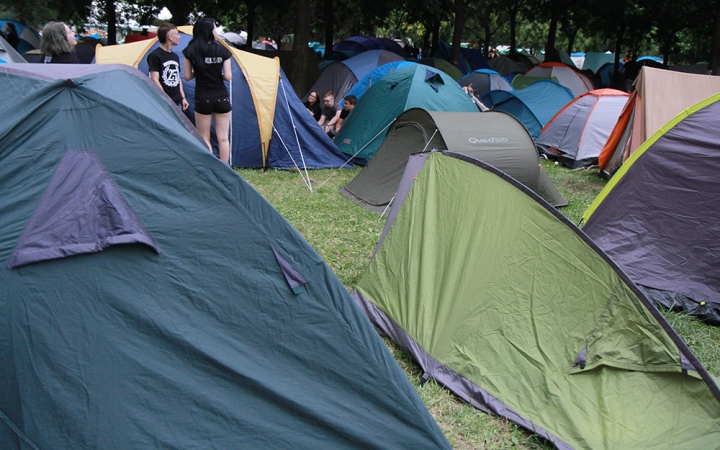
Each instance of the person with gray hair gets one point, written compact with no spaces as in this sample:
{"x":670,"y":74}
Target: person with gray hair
{"x":58,"y":44}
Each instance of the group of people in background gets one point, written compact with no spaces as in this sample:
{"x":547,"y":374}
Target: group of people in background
{"x":205,"y":60}
{"x":330,"y":115}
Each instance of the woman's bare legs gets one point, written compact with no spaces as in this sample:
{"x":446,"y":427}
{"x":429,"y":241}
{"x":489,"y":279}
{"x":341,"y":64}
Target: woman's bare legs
{"x":222,"y":132}
{"x":202,"y":123}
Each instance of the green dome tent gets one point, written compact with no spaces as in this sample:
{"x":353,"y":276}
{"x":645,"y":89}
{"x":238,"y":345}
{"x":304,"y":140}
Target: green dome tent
{"x":504,"y":301}
{"x":150,"y":298}
{"x":413,"y":86}
{"x":494,"y":137}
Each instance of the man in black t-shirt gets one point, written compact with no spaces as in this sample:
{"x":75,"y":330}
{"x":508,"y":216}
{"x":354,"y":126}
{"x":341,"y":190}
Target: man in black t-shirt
{"x":164,"y":65}
{"x":331,"y":113}
{"x":350,"y":102}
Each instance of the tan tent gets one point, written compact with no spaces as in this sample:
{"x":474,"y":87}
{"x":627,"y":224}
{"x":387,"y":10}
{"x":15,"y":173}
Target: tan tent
{"x":659,"y":96}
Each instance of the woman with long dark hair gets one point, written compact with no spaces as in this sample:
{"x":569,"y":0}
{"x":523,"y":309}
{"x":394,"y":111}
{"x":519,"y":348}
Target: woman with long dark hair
{"x":208,"y":62}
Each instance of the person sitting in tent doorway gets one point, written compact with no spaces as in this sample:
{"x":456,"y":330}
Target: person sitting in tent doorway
{"x":164,"y":65}
{"x":313,"y":105}
{"x":209,"y":63}
{"x":350,"y":102}
{"x":331,"y":113}
{"x":58,"y":44}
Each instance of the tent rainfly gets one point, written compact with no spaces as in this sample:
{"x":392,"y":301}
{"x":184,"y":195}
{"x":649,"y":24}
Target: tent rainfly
{"x":659,"y":216}
{"x":339,"y":77}
{"x":151,"y":298}
{"x":566,"y":75}
{"x":578,"y":131}
{"x":494,"y":137}
{"x":659,"y":95}
{"x":270,"y":126}
{"x":534,"y":105}
{"x":413,"y":86}
{"x":504,"y":301}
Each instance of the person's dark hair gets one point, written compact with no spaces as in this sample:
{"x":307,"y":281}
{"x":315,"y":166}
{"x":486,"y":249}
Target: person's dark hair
{"x":202,"y":38}
{"x":11,"y":27}
{"x":54,"y":39}
{"x":351,"y":99}
{"x":163,"y":30}
{"x":317,"y":96}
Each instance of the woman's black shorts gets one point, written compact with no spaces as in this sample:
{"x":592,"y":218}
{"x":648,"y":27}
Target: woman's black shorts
{"x":208,"y":106}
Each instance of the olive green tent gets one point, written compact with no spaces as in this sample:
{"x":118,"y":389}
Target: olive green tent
{"x":494,"y":137}
{"x":503,"y":300}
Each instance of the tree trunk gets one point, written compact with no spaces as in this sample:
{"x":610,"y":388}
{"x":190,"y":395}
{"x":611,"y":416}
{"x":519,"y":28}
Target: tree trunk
{"x":486,"y":41}
{"x":715,"y":47}
{"x":457,"y":32}
{"x":618,"y":46}
{"x":425,"y":48}
{"x":513,"y":26}
{"x":329,"y":30}
{"x":250,"y":24}
{"x":300,"y":46}
{"x":180,"y":11}
{"x":571,"y":40}
{"x":550,"y":53}
{"x":434,"y":37}
{"x":111,"y":19}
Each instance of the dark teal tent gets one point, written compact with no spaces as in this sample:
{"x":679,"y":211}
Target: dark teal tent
{"x":413,"y":86}
{"x":150,"y":298}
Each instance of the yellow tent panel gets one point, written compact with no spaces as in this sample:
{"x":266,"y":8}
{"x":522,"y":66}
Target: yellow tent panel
{"x":261,"y":73}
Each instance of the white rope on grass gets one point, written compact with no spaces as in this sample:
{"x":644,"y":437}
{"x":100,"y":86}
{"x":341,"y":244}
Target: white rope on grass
{"x":357,"y":153}
{"x":297,"y":138}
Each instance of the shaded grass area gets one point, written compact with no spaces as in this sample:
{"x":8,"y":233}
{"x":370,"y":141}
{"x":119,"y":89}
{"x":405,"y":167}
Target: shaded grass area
{"x":345,"y":235}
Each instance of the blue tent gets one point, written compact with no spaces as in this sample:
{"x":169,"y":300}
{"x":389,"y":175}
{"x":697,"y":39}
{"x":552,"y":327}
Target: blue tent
{"x":656,"y":59}
{"x":270,"y":127}
{"x":604,"y":76}
{"x":361,"y":44}
{"x":339,"y":77}
{"x":442,"y":50}
{"x":475,"y":58}
{"x":412,"y":86}
{"x":534,"y":105}
{"x":483,"y":81}
{"x":362,"y":86}
{"x":29,"y":38}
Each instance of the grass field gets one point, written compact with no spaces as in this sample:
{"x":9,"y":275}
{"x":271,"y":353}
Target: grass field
{"x":345,"y":235}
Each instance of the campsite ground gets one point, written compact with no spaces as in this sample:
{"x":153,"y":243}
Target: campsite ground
{"x":345,"y":235}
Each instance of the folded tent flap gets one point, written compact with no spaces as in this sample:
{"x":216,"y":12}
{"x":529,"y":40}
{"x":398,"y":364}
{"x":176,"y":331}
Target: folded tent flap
{"x":626,"y":338}
{"x":293,"y":278}
{"x":82,"y":211}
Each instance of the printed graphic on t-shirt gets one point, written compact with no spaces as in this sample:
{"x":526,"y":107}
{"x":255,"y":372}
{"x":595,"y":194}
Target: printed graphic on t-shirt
{"x":215,"y":60}
{"x":171,"y":73}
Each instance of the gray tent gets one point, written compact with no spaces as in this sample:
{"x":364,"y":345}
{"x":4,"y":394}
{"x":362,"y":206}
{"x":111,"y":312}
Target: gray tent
{"x":494,"y":137}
